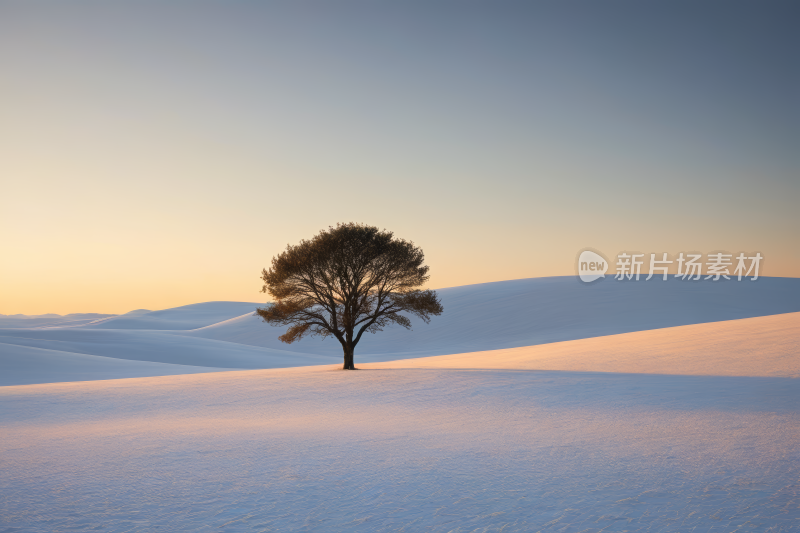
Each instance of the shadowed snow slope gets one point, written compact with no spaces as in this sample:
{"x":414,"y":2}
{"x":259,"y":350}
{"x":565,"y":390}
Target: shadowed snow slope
{"x":525,"y":312}
{"x":186,"y":353}
{"x":491,"y":316}
{"x":23,"y":365}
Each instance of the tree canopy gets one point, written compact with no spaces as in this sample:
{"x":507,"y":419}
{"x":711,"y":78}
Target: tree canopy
{"x":347,"y":281}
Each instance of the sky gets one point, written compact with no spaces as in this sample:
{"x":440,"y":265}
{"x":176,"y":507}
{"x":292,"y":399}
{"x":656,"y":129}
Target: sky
{"x":156,"y":154}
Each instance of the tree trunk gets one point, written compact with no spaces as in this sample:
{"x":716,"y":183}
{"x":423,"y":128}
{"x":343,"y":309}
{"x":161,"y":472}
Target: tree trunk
{"x":348,"y":358}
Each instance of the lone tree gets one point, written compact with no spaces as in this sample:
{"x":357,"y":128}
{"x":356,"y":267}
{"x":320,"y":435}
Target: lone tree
{"x":347,"y":281}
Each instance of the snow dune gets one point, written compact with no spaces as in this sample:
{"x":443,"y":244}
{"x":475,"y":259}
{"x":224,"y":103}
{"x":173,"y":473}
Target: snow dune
{"x":764,"y":346}
{"x":179,"y":318}
{"x":70,"y":350}
{"x":492,"y":316}
{"x":23,"y":365}
{"x":525,"y":312}
{"x":25,"y":322}
{"x":141,"y":346}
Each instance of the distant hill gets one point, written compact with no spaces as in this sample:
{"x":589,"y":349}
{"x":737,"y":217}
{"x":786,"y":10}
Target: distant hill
{"x":178,"y":318}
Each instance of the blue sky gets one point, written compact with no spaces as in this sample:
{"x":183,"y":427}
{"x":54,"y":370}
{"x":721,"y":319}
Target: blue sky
{"x":178,"y":146}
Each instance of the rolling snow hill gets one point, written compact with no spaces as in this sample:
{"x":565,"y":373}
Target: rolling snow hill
{"x":510,"y":314}
{"x":669,"y":427}
{"x":492,"y":316}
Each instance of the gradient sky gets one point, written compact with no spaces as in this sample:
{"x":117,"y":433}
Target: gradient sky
{"x":155,"y":154}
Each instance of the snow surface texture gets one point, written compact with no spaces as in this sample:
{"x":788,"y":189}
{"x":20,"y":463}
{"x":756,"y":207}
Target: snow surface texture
{"x":440,"y":450}
{"x":511,"y":314}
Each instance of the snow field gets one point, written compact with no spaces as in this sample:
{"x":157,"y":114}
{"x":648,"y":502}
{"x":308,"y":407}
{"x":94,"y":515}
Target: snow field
{"x":402,"y":450}
{"x":613,"y":408}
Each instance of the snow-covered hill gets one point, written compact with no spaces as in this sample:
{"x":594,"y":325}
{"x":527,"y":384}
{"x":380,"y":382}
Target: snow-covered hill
{"x":687,"y":428}
{"x":178,"y":318}
{"x":525,"y":312}
{"x":490,"y":316}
